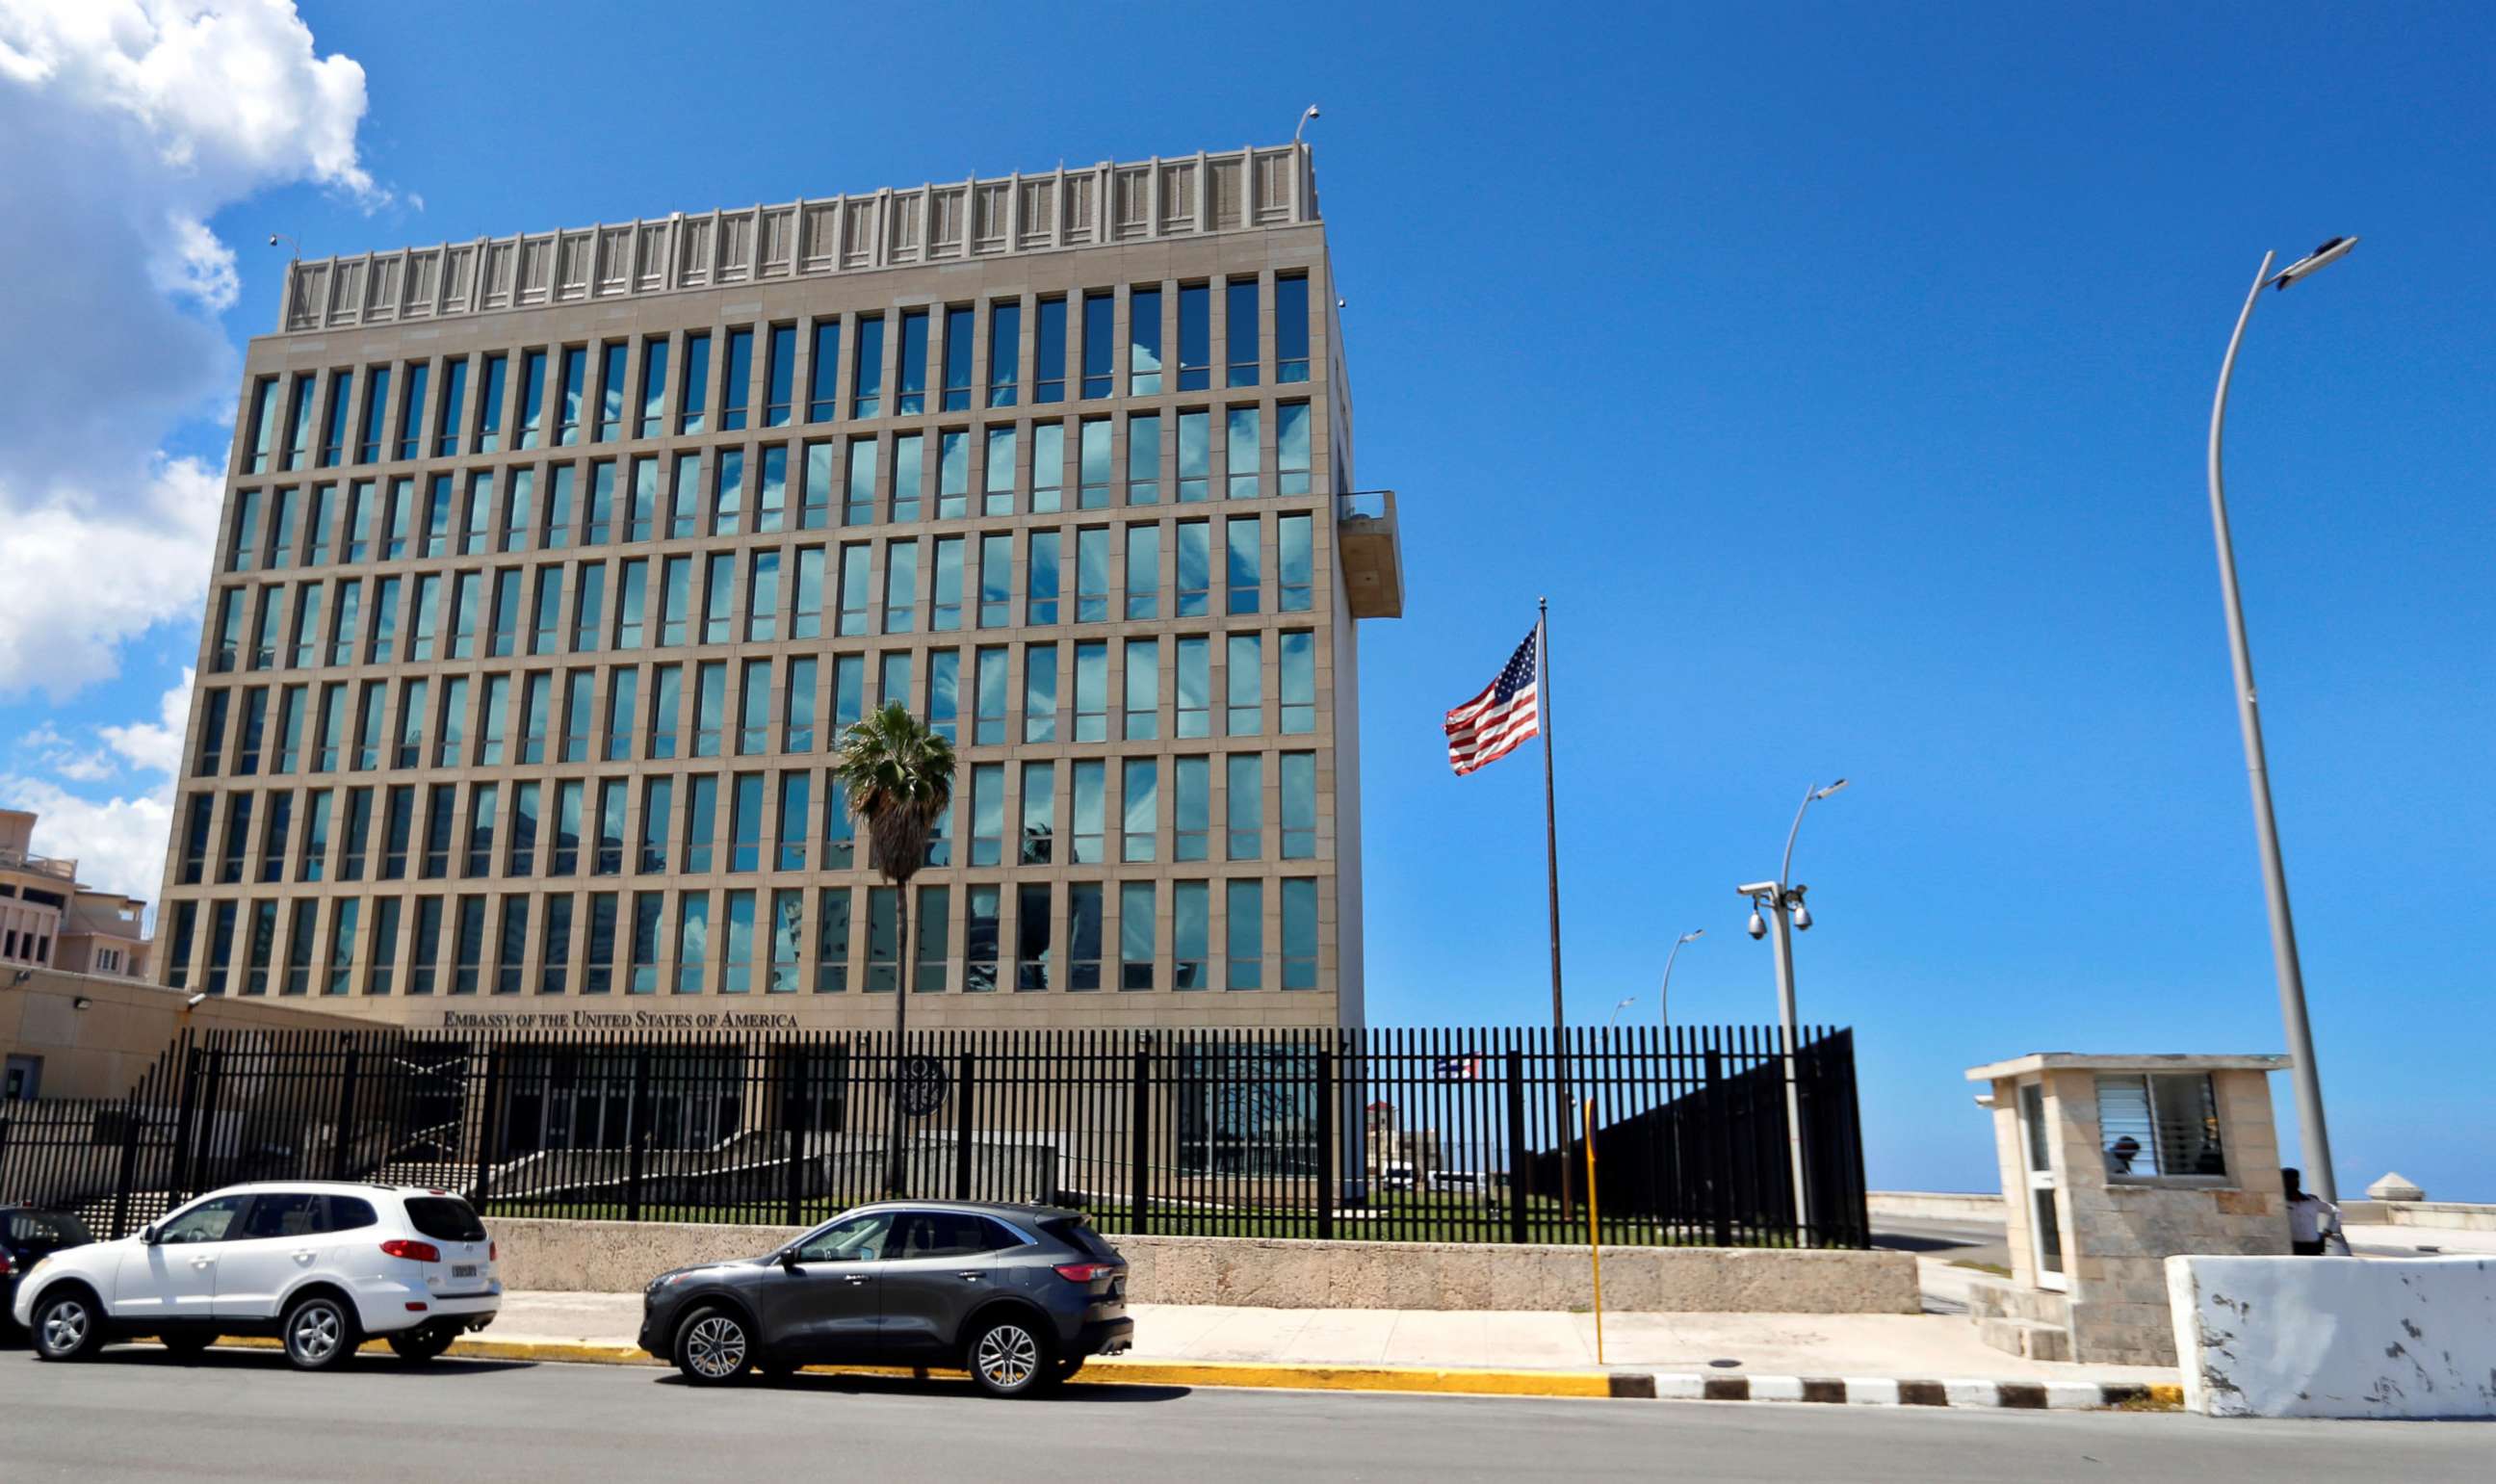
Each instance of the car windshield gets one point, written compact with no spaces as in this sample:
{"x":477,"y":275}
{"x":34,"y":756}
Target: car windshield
{"x":856,"y":1239}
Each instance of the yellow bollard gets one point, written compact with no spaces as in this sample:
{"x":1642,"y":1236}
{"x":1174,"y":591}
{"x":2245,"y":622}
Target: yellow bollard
{"x":1594,"y":1231}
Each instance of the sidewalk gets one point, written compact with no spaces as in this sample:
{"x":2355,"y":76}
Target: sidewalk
{"x":1859,"y":1346}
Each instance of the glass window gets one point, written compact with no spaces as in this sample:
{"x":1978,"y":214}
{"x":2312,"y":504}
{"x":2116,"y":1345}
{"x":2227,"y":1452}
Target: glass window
{"x":1300,"y":935}
{"x":693,"y":391}
{"x":1092,"y":575}
{"x":1040,"y":693}
{"x":893,"y":678}
{"x":693,"y":941}
{"x":824,"y":367}
{"x":1246,"y":682}
{"x":1100,"y":310}
{"x":866,"y":369}
{"x":1190,"y":933}
{"x":658,"y":814}
{"x":910,"y":391}
{"x":1240,"y":537}
{"x":1143,"y":570}
{"x":1084,"y":935}
{"x":1136,"y":935}
{"x":1194,"y":337}
{"x":996,"y":581}
{"x":1049,"y":353}
{"x":900,"y":586}
{"x":1192,"y":813}
{"x":1092,"y":691}
{"x":1143,"y":343}
{"x":1143,"y":459}
{"x":798,"y":718}
{"x":1004,"y":349}
{"x":788,"y":931}
{"x":1039,"y":812}
{"x":320,"y":517}
{"x":933,"y":928}
{"x":745,"y":823}
{"x":854,"y":610}
{"x":1246,"y":455}
{"x":621,"y":685}
{"x":610,"y":393}
{"x":1195,"y":687}
{"x":1139,"y":805}
{"x":558,"y":506}
{"x":989,"y":700}
{"x":1299,"y":683}
{"x":737,"y":386}
{"x":1244,"y":806}
{"x":840,"y":827}
{"x":684,"y":505}
{"x":796,"y":786}
{"x":979,"y":910}
{"x":532,"y":388}
{"x":1292,"y":328}
{"x":1142,"y":690}
{"x":857,"y":507}
{"x":1090,"y":780}
{"x":763,"y":598}
{"x":571,"y":385}
{"x":815,"y":499}
{"x":666,"y":685}
{"x":411,"y":412}
{"x":1241,"y":332}
{"x":454,"y":388}
{"x":1299,"y":788}
{"x":1243,"y":908}
{"x":654,"y":388}
{"x":1039,"y":579}
{"x":849,"y":691}
{"x":701,"y":821}
{"x":944,"y":683}
{"x":771,"y":501}
{"x":642,"y":975}
{"x":987,"y":813}
{"x":524,"y":829}
{"x":958,"y":336}
{"x":997,"y":483}
{"x":368,"y":440}
{"x":833,"y":940}
{"x":1294,"y":573}
{"x":1093,"y":492}
{"x":1195,"y":456}
{"x":1291,"y":448}
{"x":710,"y":706}
{"x":882,"y":939}
{"x":1031,"y":938}
{"x":520,"y":508}
{"x":753,"y":708}
{"x":727,"y":496}
{"x":589,"y":604}
{"x":945,"y":613}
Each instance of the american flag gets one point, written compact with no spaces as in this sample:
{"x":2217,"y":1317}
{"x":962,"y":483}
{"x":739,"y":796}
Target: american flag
{"x":1491,"y":725}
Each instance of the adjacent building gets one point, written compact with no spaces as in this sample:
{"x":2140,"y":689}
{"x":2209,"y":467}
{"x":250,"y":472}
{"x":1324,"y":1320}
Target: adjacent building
{"x":47,"y":920}
{"x":552,"y":567}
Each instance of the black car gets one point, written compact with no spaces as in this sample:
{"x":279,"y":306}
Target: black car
{"x":1020,"y":1296}
{"x":29,"y":1234}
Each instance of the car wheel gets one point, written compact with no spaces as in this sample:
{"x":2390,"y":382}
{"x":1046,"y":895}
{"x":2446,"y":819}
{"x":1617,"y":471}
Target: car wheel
{"x":712,"y":1346}
{"x":69,"y":1325}
{"x":319,"y":1333}
{"x":186,"y":1344}
{"x":1009,"y":1357}
{"x":417,"y":1346}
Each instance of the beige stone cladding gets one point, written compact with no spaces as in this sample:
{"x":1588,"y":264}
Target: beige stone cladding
{"x":472,"y":543}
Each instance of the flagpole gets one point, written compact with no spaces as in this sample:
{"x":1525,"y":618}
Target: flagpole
{"x":1551,"y":871}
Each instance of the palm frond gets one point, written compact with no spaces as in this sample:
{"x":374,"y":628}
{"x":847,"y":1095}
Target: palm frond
{"x":898,"y":773}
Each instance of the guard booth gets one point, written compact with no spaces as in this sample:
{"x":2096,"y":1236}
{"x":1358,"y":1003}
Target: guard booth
{"x":2111,"y":1164}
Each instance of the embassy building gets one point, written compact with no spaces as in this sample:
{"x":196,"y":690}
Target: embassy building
{"x":552,"y":567}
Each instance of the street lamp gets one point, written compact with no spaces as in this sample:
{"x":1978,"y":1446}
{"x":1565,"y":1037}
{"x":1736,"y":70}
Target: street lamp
{"x":2315,"y":1137}
{"x":1614,"y":1023}
{"x":1311,"y":112}
{"x":1782,"y":899}
{"x":1663,"y":1006}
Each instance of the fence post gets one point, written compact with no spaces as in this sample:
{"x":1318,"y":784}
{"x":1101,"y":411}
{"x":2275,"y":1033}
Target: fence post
{"x":129,"y":1162}
{"x":1720,"y":1157}
{"x":485,"y":1124}
{"x":344,"y":1139}
{"x":637,"y":1136}
{"x":962,"y":1128}
{"x":204,"y":1129}
{"x":1519,"y":1158}
{"x":795,"y":1063}
{"x":1326,"y":1146}
{"x":1140,"y":1164}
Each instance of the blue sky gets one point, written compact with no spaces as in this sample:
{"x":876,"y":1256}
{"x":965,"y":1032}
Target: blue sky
{"x":1841,"y":373}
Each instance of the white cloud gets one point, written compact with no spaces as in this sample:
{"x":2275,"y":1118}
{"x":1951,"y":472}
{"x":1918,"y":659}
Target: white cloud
{"x":129,"y":124}
{"x":118,"y":842}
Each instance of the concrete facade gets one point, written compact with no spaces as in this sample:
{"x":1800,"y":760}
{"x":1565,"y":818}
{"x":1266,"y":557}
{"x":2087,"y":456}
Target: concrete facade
{"x":84,"y":1036}
{"x":622,"y":1258}
{"x":48,"y":920}
{"x":2337,"y":1336}
{"x":2115,"y":1228}
{"x":1133,"y":601}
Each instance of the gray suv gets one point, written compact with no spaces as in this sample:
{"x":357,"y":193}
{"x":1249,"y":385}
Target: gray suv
{"x":1020,"y":1296}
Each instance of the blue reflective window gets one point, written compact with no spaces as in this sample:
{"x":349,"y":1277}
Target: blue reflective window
{"x":736,"y":381}
{"x":910,"y":394}
{"x":454,"y":398}
{"x":958,"y":357}
{"x":1049,"y":353}
{"x":866,"y":370}
{"x":822,"y":396}
{"x":1005,"y":353}
{"x":1292,"y":328}
{"x":1100,"y":351}
{"x":779,"y":371}
{"x":491,"y":389}
{"x":693,"y":399}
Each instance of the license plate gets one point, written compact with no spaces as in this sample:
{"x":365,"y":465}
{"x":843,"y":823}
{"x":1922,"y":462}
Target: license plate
{"x":463,"y":1269}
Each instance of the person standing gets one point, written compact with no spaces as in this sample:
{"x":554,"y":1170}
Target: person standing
{"x":2310,"y":1218}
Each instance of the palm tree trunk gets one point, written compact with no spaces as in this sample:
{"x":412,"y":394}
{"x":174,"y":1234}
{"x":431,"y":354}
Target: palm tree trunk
{"x":892,"y":1170}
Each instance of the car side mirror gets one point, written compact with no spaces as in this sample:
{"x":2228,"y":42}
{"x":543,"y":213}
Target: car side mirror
{"x":788,"y":1259}
{"x":147,"y":1235}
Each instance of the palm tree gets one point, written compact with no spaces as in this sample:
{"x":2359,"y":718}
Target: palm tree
{"x":898,"y":773}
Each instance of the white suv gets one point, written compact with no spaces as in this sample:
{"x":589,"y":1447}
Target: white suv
{"x":322,"y":1267}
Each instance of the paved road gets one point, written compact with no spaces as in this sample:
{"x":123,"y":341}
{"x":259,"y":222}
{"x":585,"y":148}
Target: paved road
{"x":137,"y":1415}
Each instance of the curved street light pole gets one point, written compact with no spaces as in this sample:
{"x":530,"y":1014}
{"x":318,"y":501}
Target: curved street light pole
{"x":2313,"y":1137}
{"x":1663,"y":1005}
{"x":1781,"y":899}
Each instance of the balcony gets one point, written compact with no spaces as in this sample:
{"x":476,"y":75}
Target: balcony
{"x":1373,"y":556}
{"x":40,"y":866}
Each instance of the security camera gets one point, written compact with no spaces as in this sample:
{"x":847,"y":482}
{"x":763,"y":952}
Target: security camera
{"x":1802,"y":918}
{"x":272,"y":239}
{"x":197,"y":996}
{"x":1757,"y":928}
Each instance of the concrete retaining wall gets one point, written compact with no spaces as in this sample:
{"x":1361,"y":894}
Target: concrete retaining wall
{"x":621,"y":1256}
{"x":1935,"y":1206}
{"x":2441,"y":1215}
{"x":2335,"y":1336}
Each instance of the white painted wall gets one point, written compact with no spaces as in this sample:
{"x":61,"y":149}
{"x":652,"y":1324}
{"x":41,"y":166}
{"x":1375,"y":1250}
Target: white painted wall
{"x":2335,"y":1336}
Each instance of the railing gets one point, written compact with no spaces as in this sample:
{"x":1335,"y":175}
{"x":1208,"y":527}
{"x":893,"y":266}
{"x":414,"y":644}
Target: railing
{"x":1449,"y":1135}
{"x":43,"y":865}
{"x":1365,"y":505}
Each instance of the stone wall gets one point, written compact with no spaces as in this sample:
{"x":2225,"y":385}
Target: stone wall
{"x":103,"y":1050}
{"x":2337,"y":1336}
{"x":1934,"y":1206}
{"x":620,"y":1256}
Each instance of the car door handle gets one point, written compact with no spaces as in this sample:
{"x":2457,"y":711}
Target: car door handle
{"x":854,"y":1278}
{"x":971,"y":1277}
{"x":306,"y":1255}
{"x":203,"y":1262}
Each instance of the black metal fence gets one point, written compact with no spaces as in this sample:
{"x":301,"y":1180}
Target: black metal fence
{"x":1454,"y":1135}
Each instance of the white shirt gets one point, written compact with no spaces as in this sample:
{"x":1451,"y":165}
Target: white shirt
{"x":2305,"y":1217}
